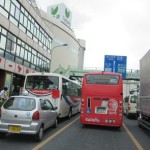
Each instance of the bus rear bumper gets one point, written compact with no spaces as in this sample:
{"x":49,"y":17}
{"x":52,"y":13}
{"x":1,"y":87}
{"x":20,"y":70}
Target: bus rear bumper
{"x":106,"y":122}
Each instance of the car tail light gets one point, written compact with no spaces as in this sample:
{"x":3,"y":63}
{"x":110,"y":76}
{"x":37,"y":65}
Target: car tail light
{"x":36,"y":115}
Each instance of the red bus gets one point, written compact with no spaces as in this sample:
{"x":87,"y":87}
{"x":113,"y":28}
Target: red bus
{"x":102,"y":99}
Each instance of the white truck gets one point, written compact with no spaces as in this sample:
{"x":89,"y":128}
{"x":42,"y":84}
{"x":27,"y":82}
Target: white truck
{"x":144,"y":115}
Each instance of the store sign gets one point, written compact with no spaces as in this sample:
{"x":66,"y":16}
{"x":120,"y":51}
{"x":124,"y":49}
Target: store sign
{"x":26,"y":70}
{"x":9,"y":65}
{"x":19,"y":69}
{"x":61,"y":12}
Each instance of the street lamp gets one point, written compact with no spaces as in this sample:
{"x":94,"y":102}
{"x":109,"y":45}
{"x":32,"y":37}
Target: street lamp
{"x":59,"y":46}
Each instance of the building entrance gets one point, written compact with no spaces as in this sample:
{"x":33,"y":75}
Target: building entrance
{"x":17,"y":83}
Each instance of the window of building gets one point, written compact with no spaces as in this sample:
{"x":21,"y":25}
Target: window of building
{"x":17,"y":14}
{"x":1,"y":53}
{"x":21,"y":18}
{"x":2,"y":3}
{"x":25,"y":54}
{"x":4,"y":31}
{"x":12,"y":10}
{"x":7,"y":5}
{"x":26,"y":64}
{"x":2,"y":42}
{"x":22,"y":52}
{"x":9,"y":56}
{"x":29,"y":56}
{"x":3,"y":12}
{"x":19,"y":61}
{"x":8,"y":45}
{"x":13,"y":20}
{"x":18,"y":50}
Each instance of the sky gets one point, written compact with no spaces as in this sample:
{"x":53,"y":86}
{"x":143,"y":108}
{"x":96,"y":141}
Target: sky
{"x":109,"y":27}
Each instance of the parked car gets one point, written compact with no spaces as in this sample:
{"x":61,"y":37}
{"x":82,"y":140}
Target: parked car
{"x":129,"y":105}
{"x":27,"y":115}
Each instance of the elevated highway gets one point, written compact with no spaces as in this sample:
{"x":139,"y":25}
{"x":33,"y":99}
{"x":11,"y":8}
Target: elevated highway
{"x":130,"y":83}
{"x":73,"y":72}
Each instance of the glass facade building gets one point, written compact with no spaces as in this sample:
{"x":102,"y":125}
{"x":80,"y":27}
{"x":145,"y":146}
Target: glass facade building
{"x":25,"y":43}
{"x":16,"y":50}
{"x":28,"y":41}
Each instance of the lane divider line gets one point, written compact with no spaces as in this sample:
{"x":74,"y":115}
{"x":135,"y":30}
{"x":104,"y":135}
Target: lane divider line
{"x":137,"y":144}
{"x":54,"y":135}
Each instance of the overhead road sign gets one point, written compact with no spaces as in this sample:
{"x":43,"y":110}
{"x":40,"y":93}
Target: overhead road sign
{"x":117,"y":64}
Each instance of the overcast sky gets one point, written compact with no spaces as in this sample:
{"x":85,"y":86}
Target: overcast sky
{"x":110,"y":27}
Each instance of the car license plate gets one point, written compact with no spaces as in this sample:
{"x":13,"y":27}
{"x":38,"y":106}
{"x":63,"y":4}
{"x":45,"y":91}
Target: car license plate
{"x":101,"y":110}
{"x":14,"y":129}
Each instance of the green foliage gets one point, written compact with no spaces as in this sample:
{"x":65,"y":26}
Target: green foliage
{"x":1,"y":103}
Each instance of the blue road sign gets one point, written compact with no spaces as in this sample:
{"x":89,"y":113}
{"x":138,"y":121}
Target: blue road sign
{"x":115,"y":64}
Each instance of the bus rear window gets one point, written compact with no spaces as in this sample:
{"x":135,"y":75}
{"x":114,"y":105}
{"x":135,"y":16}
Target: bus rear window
{"x":102,"y":79}
{"x":42,"y":82}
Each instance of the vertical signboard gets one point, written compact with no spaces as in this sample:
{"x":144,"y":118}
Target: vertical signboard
{"x":8,"y":81}
{"x":115,"y":64}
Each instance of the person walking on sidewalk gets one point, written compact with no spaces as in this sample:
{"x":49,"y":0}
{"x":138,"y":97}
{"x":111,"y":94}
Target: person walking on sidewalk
{"x":3,"y":94}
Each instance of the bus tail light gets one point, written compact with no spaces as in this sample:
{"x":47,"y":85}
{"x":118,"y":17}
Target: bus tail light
{"x":120,"y":114}
{"x":120,"y":108}
{"x":82,"y":100}
{"x":82,"y":105}
{"x":55,"y":93}
{"x":82,"y":111}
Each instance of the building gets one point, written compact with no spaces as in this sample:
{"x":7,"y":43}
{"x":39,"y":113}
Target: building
{"x":30,"y":41}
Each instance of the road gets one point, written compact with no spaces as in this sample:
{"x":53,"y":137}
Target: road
{"x":71,"y":135}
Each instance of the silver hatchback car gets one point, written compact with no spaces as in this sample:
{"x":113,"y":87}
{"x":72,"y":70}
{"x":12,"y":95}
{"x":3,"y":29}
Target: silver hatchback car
{"x":27,"y":115}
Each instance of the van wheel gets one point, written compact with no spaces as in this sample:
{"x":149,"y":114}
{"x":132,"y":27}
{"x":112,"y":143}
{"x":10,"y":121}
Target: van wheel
{"x":39,"y":135}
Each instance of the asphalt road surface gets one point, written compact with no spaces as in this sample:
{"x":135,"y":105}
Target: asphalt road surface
{"x":71,"y":135}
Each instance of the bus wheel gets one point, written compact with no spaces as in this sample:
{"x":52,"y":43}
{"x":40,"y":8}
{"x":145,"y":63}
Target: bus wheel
{"x":84,"y":125}
{"x":70,"y":113}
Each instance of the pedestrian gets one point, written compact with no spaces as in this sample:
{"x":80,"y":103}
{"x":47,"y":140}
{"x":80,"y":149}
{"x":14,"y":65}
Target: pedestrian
{"x":3,"y":94}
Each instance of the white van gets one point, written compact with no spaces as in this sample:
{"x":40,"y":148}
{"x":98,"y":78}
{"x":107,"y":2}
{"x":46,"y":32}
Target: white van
{"x":130,"y":105}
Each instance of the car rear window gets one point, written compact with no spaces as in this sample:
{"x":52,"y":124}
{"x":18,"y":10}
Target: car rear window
{"x":20,"y":103}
